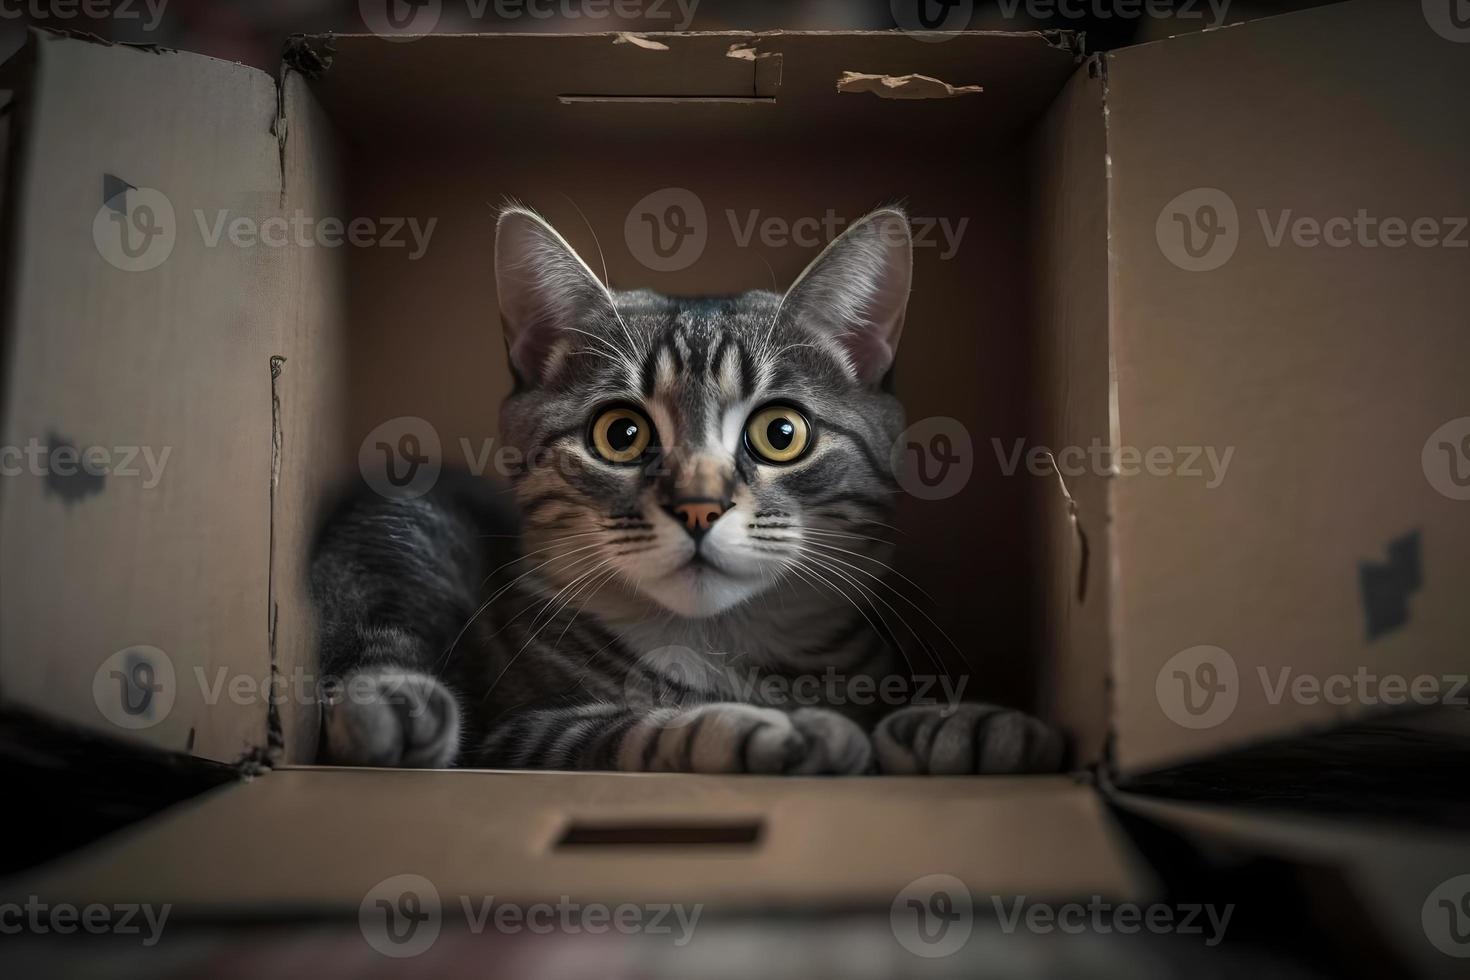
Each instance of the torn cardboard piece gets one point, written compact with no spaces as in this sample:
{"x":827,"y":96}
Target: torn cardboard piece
{"x":647,"y":44}
{"x":903,"y":86}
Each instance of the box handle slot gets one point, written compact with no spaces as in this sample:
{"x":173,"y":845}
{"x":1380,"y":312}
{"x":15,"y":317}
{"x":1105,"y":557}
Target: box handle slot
{"x":729,"y":833}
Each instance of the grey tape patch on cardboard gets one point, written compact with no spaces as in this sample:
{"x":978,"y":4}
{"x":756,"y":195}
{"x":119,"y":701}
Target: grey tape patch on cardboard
{"x":76,"y":484}
{"x":1388,"y":586}
{"x":1072,"y":41}
{"x":114,"y":193}
{"x":903,"y":86}
{"x":310,"y":54}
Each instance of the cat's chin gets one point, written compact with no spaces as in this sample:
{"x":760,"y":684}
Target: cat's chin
{"x":698,"y":590}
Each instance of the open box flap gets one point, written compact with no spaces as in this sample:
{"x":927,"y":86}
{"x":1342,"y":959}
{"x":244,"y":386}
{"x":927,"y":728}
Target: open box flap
{"x":132,"y":585}
{"x":1338,"y":539}
{"x":1069,"y":244}
{"x":308,"y":389}
{"x":477,"y":833}
{"x":1415,"y":888}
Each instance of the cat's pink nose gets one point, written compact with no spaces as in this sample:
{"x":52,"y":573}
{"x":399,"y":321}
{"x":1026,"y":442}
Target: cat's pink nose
{"x":697,"y":515}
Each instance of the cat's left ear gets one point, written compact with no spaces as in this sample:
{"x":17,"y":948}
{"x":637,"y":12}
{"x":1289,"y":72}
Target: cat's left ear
{"x":857,"y":290}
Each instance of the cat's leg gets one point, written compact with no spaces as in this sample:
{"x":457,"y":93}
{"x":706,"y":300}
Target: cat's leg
{"x":721,"y":737}
{"x":965,"y":739}
{"x":394,"y":581}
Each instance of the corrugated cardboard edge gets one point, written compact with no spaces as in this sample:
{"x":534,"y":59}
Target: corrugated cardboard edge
{"x":1071,"y":342}
{"x":474,"y":836}
{"x":308,"y":376}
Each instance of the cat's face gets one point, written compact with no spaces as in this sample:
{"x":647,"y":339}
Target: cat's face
{"x":700,"y":452}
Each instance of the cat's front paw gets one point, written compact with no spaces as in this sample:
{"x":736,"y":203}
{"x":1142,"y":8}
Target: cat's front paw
{"x":744,"y":738}
{"x":965,"y":739}
{"x":398,"y":718}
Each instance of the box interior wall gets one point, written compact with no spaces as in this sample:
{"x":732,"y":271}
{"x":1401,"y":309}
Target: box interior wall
{"x":421,"y":337}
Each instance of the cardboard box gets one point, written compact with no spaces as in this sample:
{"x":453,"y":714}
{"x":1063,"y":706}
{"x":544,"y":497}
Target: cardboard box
{"x":1075,"y":316}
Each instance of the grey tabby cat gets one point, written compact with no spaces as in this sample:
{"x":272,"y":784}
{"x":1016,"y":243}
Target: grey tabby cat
{"x":702,"y":487}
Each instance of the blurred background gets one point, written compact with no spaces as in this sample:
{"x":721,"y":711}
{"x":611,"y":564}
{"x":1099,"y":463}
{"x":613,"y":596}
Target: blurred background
{"x":252,"y":31}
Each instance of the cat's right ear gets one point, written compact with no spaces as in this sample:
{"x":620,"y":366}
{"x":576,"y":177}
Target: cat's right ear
{"x":544,"y":288}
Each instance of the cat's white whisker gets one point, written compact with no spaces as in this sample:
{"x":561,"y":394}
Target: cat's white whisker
{"x":444,"y":658}
{"x":825,"y":559}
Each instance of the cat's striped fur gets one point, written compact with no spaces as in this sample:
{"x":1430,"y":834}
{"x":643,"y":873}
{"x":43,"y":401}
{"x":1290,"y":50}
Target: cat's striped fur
{"x":607,"y":632}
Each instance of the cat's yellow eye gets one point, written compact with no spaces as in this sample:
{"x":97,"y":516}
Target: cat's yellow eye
{"x":778,"y":434}
{"x":621,"y":435}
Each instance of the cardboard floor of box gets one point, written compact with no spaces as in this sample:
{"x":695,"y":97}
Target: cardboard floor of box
{"x":318,"y":839}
